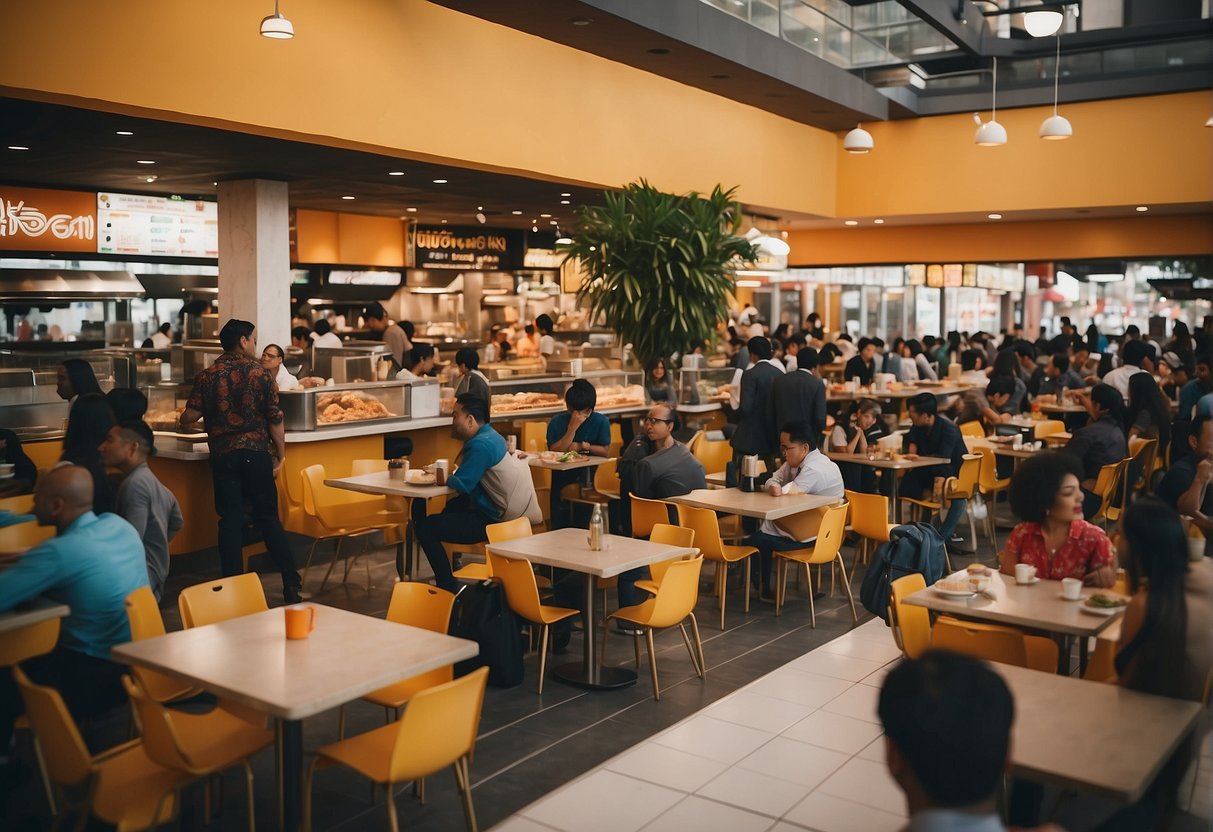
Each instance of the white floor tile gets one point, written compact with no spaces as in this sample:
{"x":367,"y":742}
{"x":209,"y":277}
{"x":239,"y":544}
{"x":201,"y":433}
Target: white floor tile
{"x":824,"y":813}
{"x":867,"y":782}
{"x":874,"y":630}
{"x":876,"y":679}
{"x":713,"y":739}
{"x":667,"y":767}
{"x":834,"y":731}
{"x":874,"y":751}
{"x":859,"y":702}
{"x":603,"y":802}
{"x":800,"y":687}
{"x":708,"y":816}
{"x":797,"y":762}
{"x":518,"y":823}
{"x":863,"y":648}
{"x":757,"y":711}
{"x":754,"y":792}
{"x":835,"y":665}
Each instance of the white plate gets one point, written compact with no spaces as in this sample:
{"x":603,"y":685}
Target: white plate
{"x":1104,"y":611}
{"x":1035,"y":580}
{"x":420,"y":478}
{"x":954,"y":593}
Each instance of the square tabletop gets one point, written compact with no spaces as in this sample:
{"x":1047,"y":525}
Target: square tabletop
{"x":758,"y":504}
{"x":1037,"y":606}
{"x":570,"y":549}
{"x":250,"y":660}
{"x":382,"y":483}
{"x":42,"y":609}
{"x":901,"y":463}
{"x":537,"y":461}
{"x":1091,"y":736}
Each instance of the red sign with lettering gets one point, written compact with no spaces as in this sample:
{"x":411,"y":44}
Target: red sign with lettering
{"x":39,"y":219}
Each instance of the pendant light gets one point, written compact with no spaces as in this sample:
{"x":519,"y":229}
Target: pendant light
{"x":276,"y":26}
{"x":991,"y":133}
{"x":858,"y":141}
{"x":1055,"y":127}
{"x":1043,"y":22}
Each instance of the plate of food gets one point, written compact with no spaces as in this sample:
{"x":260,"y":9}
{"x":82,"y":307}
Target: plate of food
{"x":955,"y":588}
{"x":419,"y":477}
{"x":1104,"y":603}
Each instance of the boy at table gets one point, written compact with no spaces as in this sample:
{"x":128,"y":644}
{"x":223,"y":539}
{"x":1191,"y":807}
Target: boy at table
{"x":933,"y":435}
{"x":579,"y":429}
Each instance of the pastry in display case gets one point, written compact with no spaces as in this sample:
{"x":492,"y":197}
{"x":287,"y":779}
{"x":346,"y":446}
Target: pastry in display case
{"x":343,"y":405}
{"x":165,"y":404}
{"x":616,"y":389}
{"x":352,"y":406}
{"x":704,"y":385}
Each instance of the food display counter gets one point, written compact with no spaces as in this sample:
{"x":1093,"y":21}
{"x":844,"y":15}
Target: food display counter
{"x":705,"y":387}
{"x":618,"y":391}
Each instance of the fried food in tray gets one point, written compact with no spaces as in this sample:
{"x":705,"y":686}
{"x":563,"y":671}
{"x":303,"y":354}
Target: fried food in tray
{"x":349,"y":406}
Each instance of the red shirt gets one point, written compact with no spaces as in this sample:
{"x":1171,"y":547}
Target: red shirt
{"x":238,"y":401}
{"x":1086,"y":549}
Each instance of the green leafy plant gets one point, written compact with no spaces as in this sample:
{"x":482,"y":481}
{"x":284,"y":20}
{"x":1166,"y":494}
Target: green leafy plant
{"x":658,"y":265}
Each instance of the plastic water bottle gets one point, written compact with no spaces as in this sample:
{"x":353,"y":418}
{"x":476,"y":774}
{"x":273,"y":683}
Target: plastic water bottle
{"x":597,"y":529}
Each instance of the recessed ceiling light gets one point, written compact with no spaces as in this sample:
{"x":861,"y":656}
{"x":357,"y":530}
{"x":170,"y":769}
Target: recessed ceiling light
{"x":564,"y":202}
{"x":516,"y":213}
{"x":123,"y":133}
{"x":17,"y":147}
{"x":553,"y":222}
{"x":566,"y":194}
{"x":214,"y":184}
{"x":545,"y":216}
{"x":144,"y":162}
{"x":347,"y":197}
{"x":878,"y":222}
{"x":395,"y":173}
{"x":581,"y":21}
{"x":1141,"y":209}
{"x":994,"y":216}
{"x":660,"y":50}
{"x":411,"y":210}
{"x":148,"y":178}
{"x":440,"y":181}
{"x":444,"y":222}
{"x":851,"y":222}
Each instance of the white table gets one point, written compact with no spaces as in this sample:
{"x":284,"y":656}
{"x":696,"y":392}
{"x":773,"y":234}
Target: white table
{"x":899,"y":465}
{"x":381,"y":483}
{"x":40,"y":610}
{"x":759,"y":504}
{"x":249,"y":660}
{"x":570,"y":549}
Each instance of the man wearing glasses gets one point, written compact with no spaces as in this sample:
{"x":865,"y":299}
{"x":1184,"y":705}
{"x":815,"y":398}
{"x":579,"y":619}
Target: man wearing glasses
{"x":271,"y":360}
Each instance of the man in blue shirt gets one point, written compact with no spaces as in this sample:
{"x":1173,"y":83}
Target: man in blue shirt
{"x":91,"y":565}
{"x":579,"y":429}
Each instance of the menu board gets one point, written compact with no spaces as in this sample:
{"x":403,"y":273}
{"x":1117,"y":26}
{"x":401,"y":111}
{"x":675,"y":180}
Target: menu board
{"x":156,"y":225}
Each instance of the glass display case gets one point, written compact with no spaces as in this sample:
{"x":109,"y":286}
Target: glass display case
{"x":343,"y":405}
{"x":165,"y":404}
{"x":544,"y":396}
{"x":704,"y":385}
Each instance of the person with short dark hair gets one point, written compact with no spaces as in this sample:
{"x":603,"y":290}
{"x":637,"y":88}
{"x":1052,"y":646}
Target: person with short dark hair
{"x":1200,"y":386}
{"x":1138,"y":357}
{"x":987,"y":406}
{"x":549,"y":347}
{"x":1102,"y":442}
{"x":791,"y":347}
{"x":755,"y":433}
{"x":471,"y":380}
{"x":127,"y":403}
{"x":931,"y":434}
{"x":1052,"y":535}
{"x":498,"y":347}
{"x":1185,"y":487}
{"x":947,"y":720}
{"x":324,"y":337}
{"x":799,"y":395}
{"x":972,"y":360}
{"x":1059,"y":377}
{"x":237,"y":401}
{"x":142,"y":500}
{"x":579,"y":428}
{"x":863,"y":365}
{"x":393,"y":335}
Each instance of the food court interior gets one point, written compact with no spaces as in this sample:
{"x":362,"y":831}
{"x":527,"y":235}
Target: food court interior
{"x":169,"y":164}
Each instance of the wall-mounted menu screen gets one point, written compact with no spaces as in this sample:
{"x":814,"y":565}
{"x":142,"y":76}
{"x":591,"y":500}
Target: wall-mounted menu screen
{"x":156,"y":225}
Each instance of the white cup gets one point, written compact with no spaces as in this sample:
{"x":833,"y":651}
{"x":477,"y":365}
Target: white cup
{"x":1024,"y":573}
{"x":1196,"y":549}
{"x":1017,"y":442}
{"x":1071,"y":589}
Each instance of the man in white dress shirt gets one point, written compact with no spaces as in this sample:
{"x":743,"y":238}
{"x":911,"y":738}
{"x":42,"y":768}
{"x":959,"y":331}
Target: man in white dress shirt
{"x":271,"y":360}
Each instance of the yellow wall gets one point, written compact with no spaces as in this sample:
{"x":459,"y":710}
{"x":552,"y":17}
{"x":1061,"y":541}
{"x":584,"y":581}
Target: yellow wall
{"x":412,"y":78}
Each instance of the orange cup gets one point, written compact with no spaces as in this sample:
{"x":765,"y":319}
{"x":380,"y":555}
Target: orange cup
{"x":300,"y":621}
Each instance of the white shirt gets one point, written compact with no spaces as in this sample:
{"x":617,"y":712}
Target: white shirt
{"x":407,"y":375}
{"x":790,"y":364}
{"x":1119,"y":378}
{"x":327,"y":340}
{"x":285,"y":380}
{"x":817,"y":475}
{"x":160,"y":341}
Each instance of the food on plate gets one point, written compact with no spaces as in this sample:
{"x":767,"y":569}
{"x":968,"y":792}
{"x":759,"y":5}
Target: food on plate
{"x":571,"y":456}
{"x":349,"y":406}
{"x":955,"y":585}
{"x":1107,"y":601}
{"x":977,"y":569}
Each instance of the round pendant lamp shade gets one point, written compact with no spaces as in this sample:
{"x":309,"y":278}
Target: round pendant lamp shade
{"x":1055,"y":128}
{"x":991,"y":134}
{"x":276,"y":26}
{"x":858,"y":141}
{"x":1041,"y":24}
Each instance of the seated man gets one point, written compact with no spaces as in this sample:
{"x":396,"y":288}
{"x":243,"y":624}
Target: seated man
{"x":578,"y":429}
{"x":863,"y":365}
{"x":471,"y":380}
{"x":810,"y":472}
{"x":493,"y":487}
{"x":933,"y":435}
{"x":1185,"y":487}
{"x":1102,"y":442}
{"x":91,"y":565}
{"x":1060,"y":377}
{"x":986,"y":406}
{"x":24,"y":470}
{"x":142,"y":500}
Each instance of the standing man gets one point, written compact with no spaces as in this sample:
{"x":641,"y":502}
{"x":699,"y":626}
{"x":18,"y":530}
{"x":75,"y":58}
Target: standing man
{"x":755,"y":433}
{"x":800,"y":396}
{"x":142,"y":500}
{"x":238,"y":403}
{"x":393,"y":335}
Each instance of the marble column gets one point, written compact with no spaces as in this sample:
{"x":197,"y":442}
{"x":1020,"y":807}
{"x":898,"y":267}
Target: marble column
{"x":254,"y":257}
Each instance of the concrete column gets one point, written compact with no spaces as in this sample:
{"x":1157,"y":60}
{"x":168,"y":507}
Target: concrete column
{"x":254,"y":257}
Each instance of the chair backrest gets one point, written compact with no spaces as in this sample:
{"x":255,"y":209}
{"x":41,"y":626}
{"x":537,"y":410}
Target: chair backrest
{"x":20,"y":504}
{"x":869,"y":514}
{"x":518,"y":579}
{"x":509,"y":530}
{"x":646,"y":514}
{"x":982,"y":641}
{"x":220,"y":600}
{"x":143,"y":613}
{"x":160,"y":739}
{"x":22,"y":536}
{"x":987,"y":471}
{"x":36,"y":639}
{"x":706,"y":527}
{"x":421,"y":605}
{"x":677,"y":592}
{"x":966,"y":479}
{"x":67,"y":758}
{"x":606,"y":476}
{"x":972,"y":428}
{"x":670,"y":536}
{"x":1106,"y":481}
{"x":438,"y":727}
{"x":829,"y":531}
{"x":694,"y":441}
{"x":714,"y":454}
{"x":367,"y":466}
{"x":534,"y":436}
{"x":1049,"y":427}
{"x":912,"y":623}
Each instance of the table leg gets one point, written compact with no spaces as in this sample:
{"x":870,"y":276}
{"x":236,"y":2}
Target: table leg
{"x":588,"y":673}
{"x":894,"y":509}
{"x":1063,"y":656}
{"x":292,"y":773}
{"x":1083,"y":648}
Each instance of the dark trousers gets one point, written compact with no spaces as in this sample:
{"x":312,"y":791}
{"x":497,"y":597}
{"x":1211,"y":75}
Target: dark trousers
{"x":246,"y":478}
{"x":458,"y":523}
{"x":89,"y":686}
{"x":765,"y":544}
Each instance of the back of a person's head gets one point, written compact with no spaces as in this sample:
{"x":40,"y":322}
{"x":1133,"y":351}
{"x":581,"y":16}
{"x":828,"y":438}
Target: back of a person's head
{"x":301,"y":333}
{"x":949,"y":717}
{"x":1107,"y":397}
{"x":1025,"y":350}
{"x":924,"y":403}
{"x":969,"y":359}
{"x":408,"y":328}
{"x":544,"y":323}
{"x":759,"y":348}
{"x":233,"y":331}
{"x":468,"y":357}
{"x":581,"y":395}
{"x":1137,"y":351}
{"x":420,"y":353}
{"x":1000,"y":386}
{"x":373,"y":311}
{"x":323,"y":327}
{"x":127,"y":403}
{"x":88,"y":422}
{"x":807,"y":359}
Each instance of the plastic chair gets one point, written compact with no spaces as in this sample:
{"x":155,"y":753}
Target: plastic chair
{"x":994,"y":643}
{"x":146,"y":622}
{"x":123,"y":786}
{"x":1101,"y":667}
{"x":869,"y":520}
{"x":990,"y":485}
{"x":522,"y":594}
{"x":213,"y":601}
{"x":494,"y":533}
{"x":342,"y":514}
{"x":417,"y":605}
{"x":714,"y":454}
{"x":1145,"y":451}
{"x":673,"y":605}
{"x":198,"y":745}
{"x":1048,"y":427}
{"x":827,"y":549}
{"x":36,"y":639}
{"x":605,"y":490}
{"x":1112,"y":486}
{"x":670,"y":536}
{"x":911,"y":625}
{"x":972,"y":428}
{"x":646,"y":514}
{"x":438,"y":729}
{"x":20,"y":537}
{"x":707,"y":537}
{"x":961,"y":487}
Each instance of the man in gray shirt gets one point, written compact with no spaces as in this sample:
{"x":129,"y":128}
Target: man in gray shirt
{"x":142,"y":500}
{"x":396,"y":339}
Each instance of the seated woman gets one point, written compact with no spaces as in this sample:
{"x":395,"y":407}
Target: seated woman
{"x":1148,"y":415}
{"x":854,"y":433}
{"x":88,"y":424}
{"x":1052,"y":535}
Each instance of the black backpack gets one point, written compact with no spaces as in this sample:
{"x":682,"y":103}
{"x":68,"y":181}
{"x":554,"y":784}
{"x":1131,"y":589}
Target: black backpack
{"x":915,"y":547}
{"x":481,"y":614}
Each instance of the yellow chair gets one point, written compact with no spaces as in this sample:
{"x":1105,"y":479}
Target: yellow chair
{"x":911,"y":625}
{"x":198,"y":745}
{"x":694,"y":441}
{"x":522,"y":594}
{"x":1048,"y":427}
{"x":995,"y":643}
{"x":961,"y":487}
{"x":646,"y":514}
{"x":869,"y":520}
{"x":417,"y":605}
{"x":143,"y":613}
{"x":342,"y":514}
{"x":1112,"y":486}
{"x":438,"y":729}
{"x":616,"y":444}
{"x":707,"y":537}
{"x":36,"y":639}
{"x":1146,"y":452}
{"x":494,"y":533}
{"x":827,"y":549}
{"x":673,"y":604}
{"x":605,"y":490}
{"x":670,"y":536}
{"x":123,"y":786}
{"x":990,"y":486}
{"x":20,"y":504}
{"x":20,"y":537}
{"x":213,"y":601}
{"x":714,"y":454}
{"x":973,"y":428}
{"x":1102,"y":665}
